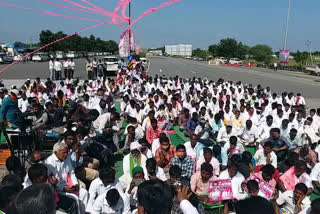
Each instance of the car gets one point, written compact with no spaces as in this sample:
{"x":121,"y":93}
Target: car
{"x":71,"y":54}
{"x":60,"y":55}
{"x":233,"y":61}
{"x":314,"y":69}
{"x":112,"y":63}
{"x":4,"y":58}
{"x":40,"y":57}
{"x":221,"y":60}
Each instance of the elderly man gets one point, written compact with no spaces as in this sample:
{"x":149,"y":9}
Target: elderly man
{"x":60,"y":166}
{"x":131,"y":160}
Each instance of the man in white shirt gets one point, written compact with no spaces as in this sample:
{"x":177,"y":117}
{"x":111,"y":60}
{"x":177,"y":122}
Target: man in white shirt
{"x":103,"y":184}
{"x":292,"y":202}
{"x":60,"y":166}
{"x":224,"y":134}
{"x":58,"y":69}
{"x":248,"y":134}
{"x":101,"y":108}
{"x":51,"y":70}
{"x":193,"y":147}
{"x":113,"y":202}
{"x":266,"y":155}
{"x":207,"y":157}
{"x":236,"y":179}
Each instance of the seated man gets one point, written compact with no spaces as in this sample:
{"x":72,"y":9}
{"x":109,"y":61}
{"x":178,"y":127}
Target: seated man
{"x":193,"y":147}
{"x":183,"y":161}
{"x":200,"y":181}
{"x":132,"y":189}
{"x":248,"y":134}
{"x":280,"y":144}
{"x":174,"y":175}
{"x":60,"y":166}
{"x":207,"y":157}
{"x":153,"y":131}
{"x":131,"y":160}
{"x":84,"y":172}
{"x":233,"y":146}
{"x":38,"y":173}
{"x":154,"y":172}
{"x":55,"y":116}
{"x":112,"y":202}
{"x":266,"y":155}
{"x":164,"y":154}
{"x":298,"y":174}
{"x":292,"y":201}
{"x":315,"y":176}
{"x":236,"y":179}
{"x":193,"y":122}
{"x":101,"y":185}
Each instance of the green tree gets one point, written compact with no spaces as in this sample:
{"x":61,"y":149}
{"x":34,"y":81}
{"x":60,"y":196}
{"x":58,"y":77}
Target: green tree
{"x":200,"y":53}
{"x":301,"y":58}
{"x":262,"y":53}
{"x":242,"y":51}
{"x":228,"y":48}
{"x":213,"y":49}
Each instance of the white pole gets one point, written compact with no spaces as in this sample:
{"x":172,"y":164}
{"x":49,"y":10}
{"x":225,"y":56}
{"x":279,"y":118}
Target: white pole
{"x":287,"y":28}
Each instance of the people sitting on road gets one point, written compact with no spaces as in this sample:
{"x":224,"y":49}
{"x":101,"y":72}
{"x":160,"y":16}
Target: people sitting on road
{"x":142,"y":144}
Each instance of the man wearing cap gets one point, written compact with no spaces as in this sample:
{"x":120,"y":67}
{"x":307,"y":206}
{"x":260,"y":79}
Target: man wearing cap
{"x":9,"y":109}
{"x":130,"y":161}
{"x":138,"y":177}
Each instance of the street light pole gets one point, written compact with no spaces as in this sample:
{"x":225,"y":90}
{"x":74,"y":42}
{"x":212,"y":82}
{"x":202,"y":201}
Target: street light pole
{"x":130,"y":28}
{"x":287,"y":28}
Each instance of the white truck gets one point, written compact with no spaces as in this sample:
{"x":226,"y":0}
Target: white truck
{"x":314,"y":70}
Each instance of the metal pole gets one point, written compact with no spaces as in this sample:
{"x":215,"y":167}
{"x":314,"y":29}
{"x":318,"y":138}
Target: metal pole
{"x":130,"y":28}
{"x":287,"y":28}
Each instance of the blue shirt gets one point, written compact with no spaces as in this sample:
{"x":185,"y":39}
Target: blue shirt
{"x":192,"y":124}
{"x":9,"y":110}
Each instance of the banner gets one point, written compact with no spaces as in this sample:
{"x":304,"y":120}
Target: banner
{"x":289,"y":178}
{"x":220,"y":190}
{"x":284,"y":56}
{"x":264,"y":187}
{"x":124,"y":44}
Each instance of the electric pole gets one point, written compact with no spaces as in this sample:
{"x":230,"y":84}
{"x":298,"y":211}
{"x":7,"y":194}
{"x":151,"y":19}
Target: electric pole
{"x":130,"y":28}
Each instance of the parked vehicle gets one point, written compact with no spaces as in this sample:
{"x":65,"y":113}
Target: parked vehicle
{"x":314,"y":70}
{"x":112,"y":64}
{"x":221,"y":60}
{"x":4,"y":58}
{"x":71,"y":54}
{"x":40,"y":57}
{"x":235,"y":61}
{"x":60,"y":55}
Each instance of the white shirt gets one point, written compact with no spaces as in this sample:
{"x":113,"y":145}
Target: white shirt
{"x":236,"y":182}
{"x":315,"y":173}
{"x":214,"y":163}
{"x":57,"y":66}
{"x":97,"y":188}
{"x":51,"y":65}
{"x":100,"y":110}
{"x":101,"y":205}
{"x":60,"y":169}
{"x":155,"y":146}
{"x":261,"y":158}
{"x":248,"y":135}
{"x":223,"y":135}
{"x":100,"y":123}
{"x":288,"y":203}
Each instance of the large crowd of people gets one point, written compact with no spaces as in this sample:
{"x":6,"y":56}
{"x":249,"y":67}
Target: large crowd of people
{"x":116,"y":148}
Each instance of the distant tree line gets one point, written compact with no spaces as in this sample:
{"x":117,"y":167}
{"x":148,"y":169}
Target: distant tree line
{"x":76,"y":43}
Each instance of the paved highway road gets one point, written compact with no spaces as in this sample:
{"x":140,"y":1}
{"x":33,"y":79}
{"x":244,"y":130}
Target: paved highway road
{"x":279,"y":81}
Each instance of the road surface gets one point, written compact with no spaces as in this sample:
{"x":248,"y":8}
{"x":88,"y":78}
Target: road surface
{"x":280,"y":81}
